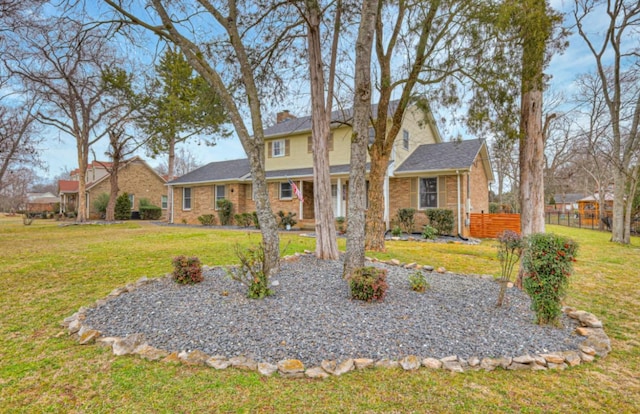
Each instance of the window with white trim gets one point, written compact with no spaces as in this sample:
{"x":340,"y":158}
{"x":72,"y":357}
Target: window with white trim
{"x":278,"y":148}
{"x":405,"y":139}
{"x":428,"y":193}
{"x":286,"y":192}
{"x":219,"y":194}
{"x":164,"y":202}
{"x":132,"y":200}
{"x":186,"y":199}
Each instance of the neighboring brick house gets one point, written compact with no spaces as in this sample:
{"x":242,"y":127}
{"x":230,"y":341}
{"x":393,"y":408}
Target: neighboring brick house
{"x":424,"y":173}
{"x":135,"y":177}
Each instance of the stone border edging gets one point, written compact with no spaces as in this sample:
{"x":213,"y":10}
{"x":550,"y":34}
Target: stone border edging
{"x":597,"y":343}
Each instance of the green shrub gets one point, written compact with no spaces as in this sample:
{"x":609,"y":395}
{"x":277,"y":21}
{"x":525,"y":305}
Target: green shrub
{"x":286,"y":219}
{"x":149,"y":211}
{"x":256,"y":222}
{"x":187,"y":270}
{"x":509,"y":251}
{"x":368,"y":284}
{"x":252,"y":271}
{"x":396,"y":231}
{"x":207,"y":219}
{"x":548,"y":263}
{"x":340,"y":224}
{"x":100,"y":204}
{"x":441,"y":219}
{"x":494,"y":208}
{"x":429,"y":232}
{"x":144,"y":202}
{"x":406,"y":219}
{"x":418,"y":281}
{"x":225,"y":211}
{"x":123,"y":207}
{"x":244,"y":219}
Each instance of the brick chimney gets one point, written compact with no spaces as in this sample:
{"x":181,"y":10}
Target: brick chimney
{"x":284,"y":116}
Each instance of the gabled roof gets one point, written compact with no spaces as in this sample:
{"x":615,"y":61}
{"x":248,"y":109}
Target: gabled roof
{"x":446,"y":156}
{"x":341,"y":116}
{"x":607,"y":197}
{"x":71,"y":186}
{"x":216,"y":171}
{"x":68,"y":186}
{"x":567,"y":197}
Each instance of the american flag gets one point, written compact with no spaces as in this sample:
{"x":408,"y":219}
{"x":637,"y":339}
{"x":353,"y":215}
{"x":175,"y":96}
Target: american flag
{"x":296,"y":190}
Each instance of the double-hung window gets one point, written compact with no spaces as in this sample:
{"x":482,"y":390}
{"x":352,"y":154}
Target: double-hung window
{"x":405,"y":139}
{"x":164,"y":202}
{"x":220,"y":194}
{"x":429,"y":192}
{"x":278,"y":148}
{"x":286,"y":192}
{"x":186,"y":199}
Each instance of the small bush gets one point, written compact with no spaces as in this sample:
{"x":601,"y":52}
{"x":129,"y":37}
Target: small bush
{"x":494,"y":208}
{"x":225,"y":211}
{"x":548,"y":263}
{"x":396,"y":231}
{"x":150,"y":212}
{"x":406,"y":219}
{"x":256,"y":222}
{"x":123,"y":207}
{"x":187,"y":270}
{"x":441,"y":219}
{"x":429,"y":232}
{"x":418,"y":282}
{"x":252,"y":271}
{"x":207,"y":219}
{"x":27,"y":219}
{"x":286,"y":219}
{"x":509,"y":252}
{"x":144,"y":202}
{"x":340,"y":224}
{"x":100,"y":204}
{"x":368,"y":284}
{"x":244,"y":219}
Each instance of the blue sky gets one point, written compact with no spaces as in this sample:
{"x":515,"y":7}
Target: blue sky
{"x":60,"y":153}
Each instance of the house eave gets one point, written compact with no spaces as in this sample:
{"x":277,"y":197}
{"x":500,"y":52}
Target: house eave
{"x":449,"y":171}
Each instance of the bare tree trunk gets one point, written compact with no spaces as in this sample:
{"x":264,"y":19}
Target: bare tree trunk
{"x":171,"y":166}
{"x":113,"y":189}
{"x":532,"y":165}
{"x":355,"y":254}
{"x":375,"y":224}
{"x":326,"y":243}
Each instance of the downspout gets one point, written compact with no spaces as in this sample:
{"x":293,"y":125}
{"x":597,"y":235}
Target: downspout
{"x":300,"y":207}
{"x":385,"y":189}
{"x":170,"y":204}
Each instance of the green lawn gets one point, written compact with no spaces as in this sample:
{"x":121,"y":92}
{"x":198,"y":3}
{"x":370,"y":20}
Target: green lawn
{"x":48,"y":272}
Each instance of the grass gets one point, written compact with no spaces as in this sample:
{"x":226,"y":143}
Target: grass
{"x":48,"y":272}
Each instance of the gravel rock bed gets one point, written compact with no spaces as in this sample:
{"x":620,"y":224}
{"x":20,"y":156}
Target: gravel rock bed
{"x":312,"y":318}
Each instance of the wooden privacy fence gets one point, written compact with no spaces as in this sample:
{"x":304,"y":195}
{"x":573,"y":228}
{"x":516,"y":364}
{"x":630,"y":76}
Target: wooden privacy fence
{"x":488,"y":226}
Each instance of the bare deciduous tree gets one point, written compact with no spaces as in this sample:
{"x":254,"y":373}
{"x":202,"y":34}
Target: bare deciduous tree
{"x":616,"y":54}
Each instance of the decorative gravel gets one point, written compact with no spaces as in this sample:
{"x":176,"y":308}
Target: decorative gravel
{"x":311,"y":317}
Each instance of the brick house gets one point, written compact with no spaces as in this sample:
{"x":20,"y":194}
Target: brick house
{"x":135,"y":177}
{"x":424,"y":173}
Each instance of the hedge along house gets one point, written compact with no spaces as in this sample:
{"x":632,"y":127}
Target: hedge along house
{"x":135,"y":177}
{"x":424,"y":173}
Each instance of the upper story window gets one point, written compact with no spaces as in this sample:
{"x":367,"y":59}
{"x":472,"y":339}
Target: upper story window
{"x":219,"y":194}
{"x":286,"y":192}
{"x":405,"y":139}
{"x":186,"y":199}
{"x":428,"y":192}
{"x":372,"y":135}
{"x":310,"y":143}
{"x":277,"y":149}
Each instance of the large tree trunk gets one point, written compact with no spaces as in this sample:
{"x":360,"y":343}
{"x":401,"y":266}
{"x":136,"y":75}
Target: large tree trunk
{"x":171,"y":172}
{"x":83,"y":155}
{"x":355,"y":254}
{"x":113,"y":189}
{"x":532,"y":165}
{"x":375,"y":225}
{"x":326,"y":243}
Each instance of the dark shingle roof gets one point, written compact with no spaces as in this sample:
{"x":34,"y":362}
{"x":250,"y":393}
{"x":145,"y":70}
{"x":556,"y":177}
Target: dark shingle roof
{"x":341,"y":116}
{"x":216,"y":171}
{"x":442,"y":156}
{"x":568,"y":197}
